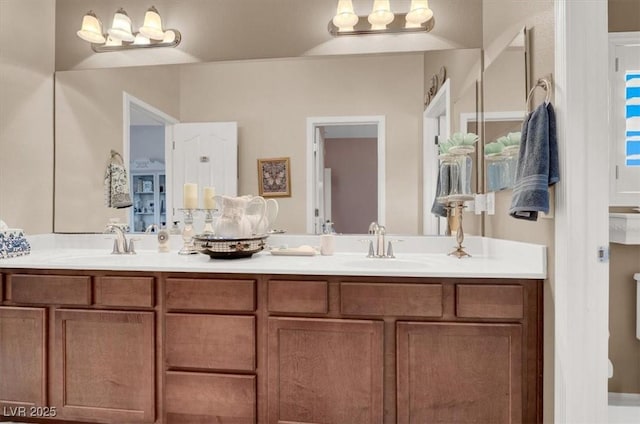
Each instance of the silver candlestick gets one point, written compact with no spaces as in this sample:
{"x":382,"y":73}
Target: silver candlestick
{"x":188,"y":247}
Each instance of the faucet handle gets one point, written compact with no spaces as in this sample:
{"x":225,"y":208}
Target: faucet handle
{"x":132,"y":249}
{"x":390,"y":248}
{"x":116,"y":247}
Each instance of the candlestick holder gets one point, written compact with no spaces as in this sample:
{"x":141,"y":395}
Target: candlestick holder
{"x":188,"y":247}
{"x":208,"y":221}
{"x":457,"y":204}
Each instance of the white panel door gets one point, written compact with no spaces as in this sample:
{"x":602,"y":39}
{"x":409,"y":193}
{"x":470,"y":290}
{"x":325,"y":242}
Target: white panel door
{"x":205,"y":153}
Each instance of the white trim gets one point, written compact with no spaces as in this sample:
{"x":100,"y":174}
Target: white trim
{"x":439,"y":106}
{"x":320,"y":121}
{"x":580,"y":288}
{"x":127,"y":101}
{"x":618,"y":198}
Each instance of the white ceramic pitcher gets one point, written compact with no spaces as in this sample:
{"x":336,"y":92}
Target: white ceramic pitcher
{"x":239,"y":216}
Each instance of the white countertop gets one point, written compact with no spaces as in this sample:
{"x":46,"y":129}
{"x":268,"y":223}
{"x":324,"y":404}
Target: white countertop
{"x":415,"y":257}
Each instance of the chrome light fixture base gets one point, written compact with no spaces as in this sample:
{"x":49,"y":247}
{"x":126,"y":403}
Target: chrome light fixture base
{"x":398,"y":25}
{"x":103,"y":48}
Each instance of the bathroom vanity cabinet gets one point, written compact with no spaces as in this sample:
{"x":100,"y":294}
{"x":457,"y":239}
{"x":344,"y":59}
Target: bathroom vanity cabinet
{"x":173,"y":347}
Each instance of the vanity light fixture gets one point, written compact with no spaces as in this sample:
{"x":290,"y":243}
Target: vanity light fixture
{"x":381,"y":20}
{"x":121,"y":37}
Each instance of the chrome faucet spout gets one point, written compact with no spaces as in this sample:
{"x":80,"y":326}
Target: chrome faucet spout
{"x":120,"y":244}
{"x":379,"y":231}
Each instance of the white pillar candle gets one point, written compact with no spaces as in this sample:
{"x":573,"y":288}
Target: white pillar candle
{"x":207,"y":194}
{"x":190,"y":196}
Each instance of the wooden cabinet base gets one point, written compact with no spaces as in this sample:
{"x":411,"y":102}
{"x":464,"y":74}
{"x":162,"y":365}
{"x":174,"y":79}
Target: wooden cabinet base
{"x":194,"y":398}
{"x":104,"y":366}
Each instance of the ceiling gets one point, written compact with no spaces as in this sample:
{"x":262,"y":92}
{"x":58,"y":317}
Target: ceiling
{"x":214,"y":30}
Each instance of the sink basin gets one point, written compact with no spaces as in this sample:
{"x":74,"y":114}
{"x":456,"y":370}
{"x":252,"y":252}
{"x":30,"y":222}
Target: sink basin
{"x":98,"y":257}
{"x":379,"y":263}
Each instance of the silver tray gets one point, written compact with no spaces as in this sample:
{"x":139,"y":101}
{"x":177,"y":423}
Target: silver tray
{"x":229,"y":247}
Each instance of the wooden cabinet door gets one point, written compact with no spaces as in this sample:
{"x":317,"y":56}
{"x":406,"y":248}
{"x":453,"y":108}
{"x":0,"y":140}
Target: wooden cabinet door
{"x":22,"y":357}
{"x":325,"y":371}
{"x":459,"y":373}
{"x":104,"y":366}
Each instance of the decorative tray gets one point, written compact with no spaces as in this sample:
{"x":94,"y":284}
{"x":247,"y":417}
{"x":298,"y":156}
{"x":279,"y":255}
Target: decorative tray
{"x":229,"y":247}
{"x":13,"y":243}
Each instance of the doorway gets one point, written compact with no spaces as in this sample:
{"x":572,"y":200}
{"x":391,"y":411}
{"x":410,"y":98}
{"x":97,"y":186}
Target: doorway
{"x":345,"y":173}
{"x":147,"y":133}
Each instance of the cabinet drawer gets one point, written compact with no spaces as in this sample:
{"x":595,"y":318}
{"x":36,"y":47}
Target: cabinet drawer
{"x":210,"y":398}
{"x":210,"y":294}
{"x":50,"y":289}
{"x":401,"y":300}
{"x":489,"y":301}
{"x":212,"y":342}
{"x":124,"y":291}
{"x":298,"y":296}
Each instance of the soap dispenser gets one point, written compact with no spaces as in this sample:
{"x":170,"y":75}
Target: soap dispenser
{"x":327,"y":239}
{"x":163,"y":240}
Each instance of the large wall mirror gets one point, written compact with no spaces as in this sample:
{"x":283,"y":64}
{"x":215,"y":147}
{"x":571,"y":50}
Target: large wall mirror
{"x":271,"y":100}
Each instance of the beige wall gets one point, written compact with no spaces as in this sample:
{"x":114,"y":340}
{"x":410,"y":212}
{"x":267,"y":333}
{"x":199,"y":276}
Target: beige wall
{"x":624,"y":15}
{"x":272,"y":99}
{"x":89,"y":122}
{"x":624,"y":347}
{"x":500,"y":19}
{"x":26,"y":114}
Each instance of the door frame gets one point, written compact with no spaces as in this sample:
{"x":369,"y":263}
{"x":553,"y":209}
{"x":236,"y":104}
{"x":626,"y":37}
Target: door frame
{"x":127,"y":101}
{"x":580,"y":289}
{"x":617,"y":198}
{"x":324,"y":121}
{"x":439,"y":108}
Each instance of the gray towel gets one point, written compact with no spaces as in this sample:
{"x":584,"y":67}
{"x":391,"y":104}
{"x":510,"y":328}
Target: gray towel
{"x":537,"y":167}
{"x":116,"y":184}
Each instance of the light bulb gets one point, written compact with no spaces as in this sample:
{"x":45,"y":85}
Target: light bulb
{"x":381,"y":15}
{"x":121,"y":27}
{"x":345,"y":17}
{"x":91,"y":29}
{"x":418,"y":13}
{"x":152,"y":27}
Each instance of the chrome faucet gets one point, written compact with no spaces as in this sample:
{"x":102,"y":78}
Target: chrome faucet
{"x":152,"y":228}
{"x":120,"y":244}
{"x":379,"y":252}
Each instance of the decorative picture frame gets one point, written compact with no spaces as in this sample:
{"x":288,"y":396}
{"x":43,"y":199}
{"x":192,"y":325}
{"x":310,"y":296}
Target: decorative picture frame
{"x":274,"y":177}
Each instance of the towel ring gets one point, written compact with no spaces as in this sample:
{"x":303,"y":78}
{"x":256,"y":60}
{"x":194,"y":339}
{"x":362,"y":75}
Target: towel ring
{"x":544,"y":83}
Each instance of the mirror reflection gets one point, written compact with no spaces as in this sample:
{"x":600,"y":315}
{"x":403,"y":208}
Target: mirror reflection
{"x":505,"y":91}
{"x":271,"y":102}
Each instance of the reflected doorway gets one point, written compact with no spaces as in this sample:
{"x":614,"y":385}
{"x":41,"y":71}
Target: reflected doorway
{"x":346,"y":173}
{"x":147,"y":137}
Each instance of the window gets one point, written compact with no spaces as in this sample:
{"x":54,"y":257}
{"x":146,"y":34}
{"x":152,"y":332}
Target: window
{"x":632,"y":115}
{"x":624,"y":118}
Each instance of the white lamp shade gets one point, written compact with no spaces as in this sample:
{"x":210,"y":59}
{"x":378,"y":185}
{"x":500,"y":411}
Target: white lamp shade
{"x":152,"y":27}
{"x":418,"y":13}
{"x":345,"y":17}
{"x":121,"y":27}
{"x":91,"y":29}
{"x":381,"y":14}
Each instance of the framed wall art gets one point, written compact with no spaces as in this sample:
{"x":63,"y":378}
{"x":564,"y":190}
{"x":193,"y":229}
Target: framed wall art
{"x":274,"y":177}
